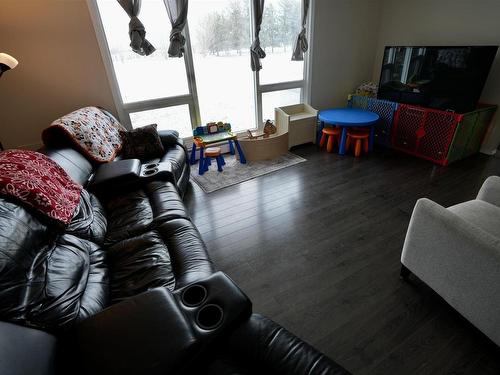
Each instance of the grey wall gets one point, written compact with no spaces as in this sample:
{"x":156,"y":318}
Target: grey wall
{"x":344,"y":48}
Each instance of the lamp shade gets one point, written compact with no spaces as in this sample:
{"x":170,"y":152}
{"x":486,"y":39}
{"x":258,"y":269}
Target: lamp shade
{"x":7,"y":62}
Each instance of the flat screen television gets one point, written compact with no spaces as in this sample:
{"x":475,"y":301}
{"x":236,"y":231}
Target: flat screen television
{"x":448,"y":78}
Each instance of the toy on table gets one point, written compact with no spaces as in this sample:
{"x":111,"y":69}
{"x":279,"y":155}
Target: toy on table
{"x":210,"y":134}
{"x":269,"y":128}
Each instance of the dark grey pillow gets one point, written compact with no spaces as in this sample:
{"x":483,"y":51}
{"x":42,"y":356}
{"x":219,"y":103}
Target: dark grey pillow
{"x":142,"y":143}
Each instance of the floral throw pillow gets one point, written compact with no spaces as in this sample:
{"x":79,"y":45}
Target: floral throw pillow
{"x":142,"y":143}
{"x":39,"y":182}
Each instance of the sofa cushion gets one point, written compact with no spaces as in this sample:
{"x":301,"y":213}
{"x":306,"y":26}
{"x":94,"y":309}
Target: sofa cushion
{"x":177,"y":157}
{"x":169,"y":254}
{"x":138,"y":264}
{"x":480,"y":213}
{"x":89,"y":220}
{"x":47,"y":280}
{"x":142,"y":143}
{"x":261,"y":346}
{"x":74,"y":163}
{"x":132,"y":213}
{"x":190,"y":260}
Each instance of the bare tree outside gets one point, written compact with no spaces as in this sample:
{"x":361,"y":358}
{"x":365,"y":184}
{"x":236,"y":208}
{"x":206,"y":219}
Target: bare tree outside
{"x":222,"y":32}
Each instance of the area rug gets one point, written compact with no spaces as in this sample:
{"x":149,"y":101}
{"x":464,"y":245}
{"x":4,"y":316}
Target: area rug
{"x":235,"y":172}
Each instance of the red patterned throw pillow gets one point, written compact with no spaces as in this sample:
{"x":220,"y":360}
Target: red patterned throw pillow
{"x":39,"y":182}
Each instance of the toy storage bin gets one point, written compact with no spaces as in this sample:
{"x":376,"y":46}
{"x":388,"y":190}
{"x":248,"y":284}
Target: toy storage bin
{"x":470,"y":132}
{"x":300,"y":121}
{"x":384,"y":108}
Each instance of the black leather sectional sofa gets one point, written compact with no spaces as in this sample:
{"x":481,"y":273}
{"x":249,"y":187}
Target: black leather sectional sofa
{"x":114,"y":291}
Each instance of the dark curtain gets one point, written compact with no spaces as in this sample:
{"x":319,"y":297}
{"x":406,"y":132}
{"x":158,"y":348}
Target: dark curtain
{"x":177,"y":13}
{"x":256,"y":51}
{"x":136,"y":29}
{"x":301,"y":45}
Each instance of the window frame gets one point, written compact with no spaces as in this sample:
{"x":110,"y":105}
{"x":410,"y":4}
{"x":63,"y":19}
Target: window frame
{"x":191,"y":98}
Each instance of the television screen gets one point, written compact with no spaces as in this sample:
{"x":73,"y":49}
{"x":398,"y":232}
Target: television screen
{"x":448,"y":78}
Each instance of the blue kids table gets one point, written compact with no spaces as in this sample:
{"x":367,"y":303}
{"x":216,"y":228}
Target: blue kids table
{"x":348,"y":118}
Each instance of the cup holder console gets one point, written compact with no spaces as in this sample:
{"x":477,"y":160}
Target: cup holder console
{"x":161,"y":171}
{"x":183,"y":323}
{"x":150,"y":166}
{"x":150,"y":172}
{"x":209,"y":317}
{"x":194,"y":295}
{"x":213,"y":305}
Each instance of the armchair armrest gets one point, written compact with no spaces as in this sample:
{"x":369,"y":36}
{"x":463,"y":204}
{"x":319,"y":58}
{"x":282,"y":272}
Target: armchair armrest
{"x":169,"y":138}
{"x":490,"y":191}
{"x":460,"y":261}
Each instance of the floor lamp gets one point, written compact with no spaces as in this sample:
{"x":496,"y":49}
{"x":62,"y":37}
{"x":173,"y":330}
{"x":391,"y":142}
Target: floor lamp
{"x":6,"y":62}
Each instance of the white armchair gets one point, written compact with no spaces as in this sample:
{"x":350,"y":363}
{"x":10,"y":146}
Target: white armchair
{"x":456,"y":252}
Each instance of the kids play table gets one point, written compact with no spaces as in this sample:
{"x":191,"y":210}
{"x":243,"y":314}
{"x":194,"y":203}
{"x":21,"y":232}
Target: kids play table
{"x":205,"y":140}
{"x":348,"y":118}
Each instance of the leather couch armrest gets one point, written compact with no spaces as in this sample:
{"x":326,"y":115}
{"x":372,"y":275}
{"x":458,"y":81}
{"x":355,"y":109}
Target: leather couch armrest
{"x":145,"y":334}
{"x":268,"y":348}
{"x":115,"y":175}
{"x":26,"y":351}
{"x":169,"y":138}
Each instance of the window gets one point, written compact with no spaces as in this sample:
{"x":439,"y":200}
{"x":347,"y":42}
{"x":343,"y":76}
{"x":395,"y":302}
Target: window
{"x":141,"y":78}
{"x":281,"y":23}
{"x":273,"y":99}
{"x":213,"y":81}
{"x":168,"y":118}
{"x":220,"y":37}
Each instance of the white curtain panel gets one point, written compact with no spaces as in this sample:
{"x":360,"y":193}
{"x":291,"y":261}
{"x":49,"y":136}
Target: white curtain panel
{"x":136,"y":29}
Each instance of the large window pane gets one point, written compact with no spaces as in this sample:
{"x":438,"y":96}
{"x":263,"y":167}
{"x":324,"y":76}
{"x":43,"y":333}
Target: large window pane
{"x":143,"y":77}
{"x":271,"y":100}
{"x":281,"y":24}
{"x":220,"y":37}
{"x":169,"y":118}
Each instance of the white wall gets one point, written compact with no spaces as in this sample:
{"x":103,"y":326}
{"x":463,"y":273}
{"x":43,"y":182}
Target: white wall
{"x":344,"y":48}
{"x":445,"y":22}
{"x":60,"y":67}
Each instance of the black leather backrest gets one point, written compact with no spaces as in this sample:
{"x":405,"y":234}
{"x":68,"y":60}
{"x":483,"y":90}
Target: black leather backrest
{"x":74,"y":163}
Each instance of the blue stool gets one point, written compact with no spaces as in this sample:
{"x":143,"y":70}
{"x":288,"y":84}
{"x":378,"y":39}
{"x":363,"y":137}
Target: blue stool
{"x":212,"y":152}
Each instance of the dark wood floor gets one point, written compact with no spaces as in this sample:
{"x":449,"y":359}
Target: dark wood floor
{"x":317,"y":246}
